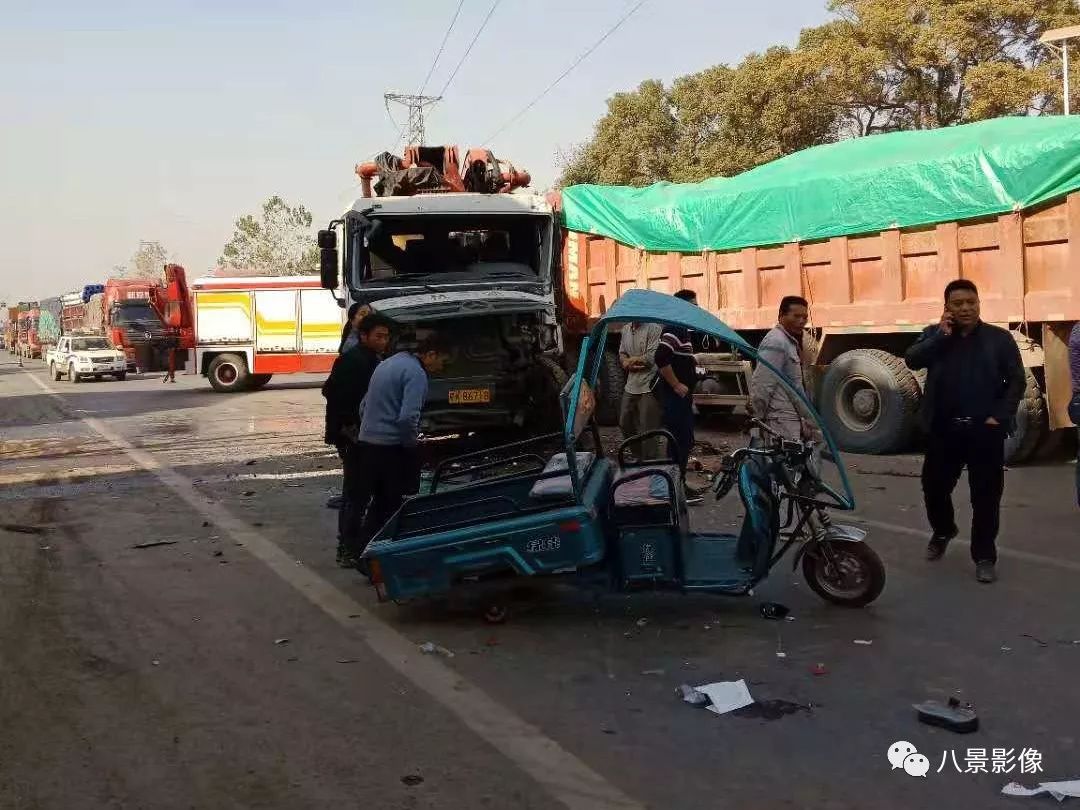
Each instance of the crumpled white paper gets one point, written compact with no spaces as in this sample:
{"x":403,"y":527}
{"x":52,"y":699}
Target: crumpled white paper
{"x":1059,"y":790}
{"x":726,"y":696}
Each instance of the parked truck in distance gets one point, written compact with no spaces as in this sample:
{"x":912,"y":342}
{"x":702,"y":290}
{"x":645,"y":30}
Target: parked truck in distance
{"x":27,"y":339}
{"x":146,"y":320}
{"x":250,"y":328}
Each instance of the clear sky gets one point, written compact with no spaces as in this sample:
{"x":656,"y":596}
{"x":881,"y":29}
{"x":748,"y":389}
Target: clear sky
{"x":166,"y":120}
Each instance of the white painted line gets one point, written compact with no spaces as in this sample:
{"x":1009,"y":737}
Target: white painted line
{"x":560,"y":773}
{"x":1011,"y":553}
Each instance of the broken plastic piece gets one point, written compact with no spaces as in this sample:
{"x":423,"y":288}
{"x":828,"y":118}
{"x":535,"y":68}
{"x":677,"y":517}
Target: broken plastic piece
{"x":431,"y":648}
{"x":953,"y":716}
{"x":691,"y":695}
{"x":774,"y":611}
{"x":1059,"y":790}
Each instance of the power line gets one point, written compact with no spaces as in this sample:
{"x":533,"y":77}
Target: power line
{"x":468,"y":50}
{"x":566,"y":72}
{"x":439,"y":53}
{"x":415,"y":104}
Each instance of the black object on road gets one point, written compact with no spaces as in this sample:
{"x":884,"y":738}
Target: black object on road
{"x":953,"y":716}
{"x":774,"y":611}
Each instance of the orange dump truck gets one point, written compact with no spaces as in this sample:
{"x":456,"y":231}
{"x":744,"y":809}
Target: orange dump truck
{"x":869,"y":232}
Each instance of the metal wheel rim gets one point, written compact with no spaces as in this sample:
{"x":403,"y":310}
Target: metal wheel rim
{"x":849,"y":403}
{"x":227,"y":373}
{"x":851,"y":578}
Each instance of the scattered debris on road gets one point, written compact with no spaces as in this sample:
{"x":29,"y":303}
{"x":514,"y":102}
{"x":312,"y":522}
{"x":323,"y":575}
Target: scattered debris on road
{"x":652,"y":672}
{"x":642,"y":622}
{"x":155,"y":543}
{"x":348,"y":660}
{"x":863,"y":642}
{"x":726,"y":696}
{"x":774,"y":611}
{"x":819,"y":669}
{"x":431,"y":648}
{"x":771,"y":709}
{"x":1059,"y":790}
{"x":691,"y":695}
{"x":248,"y":493}
{"x":19,"y":528}
{"x":1038,"y":641}
{"x":953,"y":716}
{"x":412,"y":779}
{"x":219,"y":553}
{"x":282,"y":641}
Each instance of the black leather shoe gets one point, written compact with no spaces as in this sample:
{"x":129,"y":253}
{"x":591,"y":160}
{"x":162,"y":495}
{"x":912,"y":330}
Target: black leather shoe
{"x":986,"y":572}
{"x":935,"y":549}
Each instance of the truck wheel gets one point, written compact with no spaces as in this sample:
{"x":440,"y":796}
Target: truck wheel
{"x":870,"y":402}
{"x":609,"y":389}
{"x":120,"y":375}
{"x":543,"y":406}
{"x":1031,"y":423}
{"x":256,"y":381}
{"x":54,"y":373}
{"x":228,"y":373}
{"x":72,"y":374}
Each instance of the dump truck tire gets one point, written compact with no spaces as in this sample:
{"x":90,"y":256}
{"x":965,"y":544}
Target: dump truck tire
{"x":1031,"y":423}
{"x":870,"y":402}
{"x":228,"y":373}
{"x":610,"y":383}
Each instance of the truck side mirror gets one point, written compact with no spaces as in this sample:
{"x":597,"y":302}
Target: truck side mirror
{"x":328,"y":259}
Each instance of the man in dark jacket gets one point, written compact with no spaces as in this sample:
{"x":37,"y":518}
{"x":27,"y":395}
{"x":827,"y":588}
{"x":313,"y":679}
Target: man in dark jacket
{"x":677,"y":369}
{"x":975,"y":379}
{"x":344,"y":390}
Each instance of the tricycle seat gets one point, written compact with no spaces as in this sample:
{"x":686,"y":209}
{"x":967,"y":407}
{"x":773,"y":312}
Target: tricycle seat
{"x":560,"y":487}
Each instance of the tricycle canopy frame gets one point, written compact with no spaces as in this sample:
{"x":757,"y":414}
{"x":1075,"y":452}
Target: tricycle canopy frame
{"x":646,"y":306}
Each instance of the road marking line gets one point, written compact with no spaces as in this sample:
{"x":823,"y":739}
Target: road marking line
{"x":1011,"y":553}
{"x":560,"y":773}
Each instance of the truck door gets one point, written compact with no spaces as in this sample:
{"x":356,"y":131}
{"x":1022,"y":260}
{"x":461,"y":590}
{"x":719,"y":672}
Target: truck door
{"x":277,"y":338}
{"x":321,"y":322}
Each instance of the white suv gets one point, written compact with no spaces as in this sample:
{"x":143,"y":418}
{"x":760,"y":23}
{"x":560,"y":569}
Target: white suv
{"x":79,"y":357}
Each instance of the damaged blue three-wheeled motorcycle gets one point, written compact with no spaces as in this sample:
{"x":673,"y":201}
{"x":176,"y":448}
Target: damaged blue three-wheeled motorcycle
{"x":525,"y":510}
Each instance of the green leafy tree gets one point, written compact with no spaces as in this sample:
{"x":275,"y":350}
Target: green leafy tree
{"x":877,"y":66}
{"x":148,"y":262}
{"x":918,"y":64}
{"x":279,"y":243}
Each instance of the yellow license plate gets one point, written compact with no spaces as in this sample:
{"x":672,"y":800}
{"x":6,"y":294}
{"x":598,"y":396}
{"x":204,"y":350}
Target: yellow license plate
{"x":470,"y":396}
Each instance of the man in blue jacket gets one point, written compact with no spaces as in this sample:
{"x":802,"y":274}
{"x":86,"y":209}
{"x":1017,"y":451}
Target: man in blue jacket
{"x":390,"y":430}
{"x":974,"y":382}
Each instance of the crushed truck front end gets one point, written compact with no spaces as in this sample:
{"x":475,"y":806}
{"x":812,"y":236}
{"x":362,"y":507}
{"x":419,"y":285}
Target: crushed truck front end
{"x":478,"y":269}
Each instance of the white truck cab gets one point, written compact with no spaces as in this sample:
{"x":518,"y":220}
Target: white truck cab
{"x":80,"y":356}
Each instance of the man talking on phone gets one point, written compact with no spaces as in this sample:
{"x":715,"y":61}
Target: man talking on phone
{"x":974,"y":382}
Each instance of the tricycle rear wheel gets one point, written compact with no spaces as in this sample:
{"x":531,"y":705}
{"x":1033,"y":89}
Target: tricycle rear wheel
{"x":847,"y":574}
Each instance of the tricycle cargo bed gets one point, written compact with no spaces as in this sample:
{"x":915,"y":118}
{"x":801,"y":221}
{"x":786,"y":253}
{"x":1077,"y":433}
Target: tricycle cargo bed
{"x":529,"y":525}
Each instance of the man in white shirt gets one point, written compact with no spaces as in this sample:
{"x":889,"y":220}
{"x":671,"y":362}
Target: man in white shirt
{"x":640,"y":410}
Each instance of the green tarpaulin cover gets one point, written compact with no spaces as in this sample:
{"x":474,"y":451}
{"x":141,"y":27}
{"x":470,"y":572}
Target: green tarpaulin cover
{"x":863,"y":185}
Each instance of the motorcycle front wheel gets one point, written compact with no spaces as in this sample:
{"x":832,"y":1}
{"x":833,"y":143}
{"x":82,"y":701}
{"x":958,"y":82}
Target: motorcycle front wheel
{"x":853,"y":577}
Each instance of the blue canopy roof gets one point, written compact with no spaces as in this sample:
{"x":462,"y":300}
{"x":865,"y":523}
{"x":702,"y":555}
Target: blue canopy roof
{"x":647,"y":306}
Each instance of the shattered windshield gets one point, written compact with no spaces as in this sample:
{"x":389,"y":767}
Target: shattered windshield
{"x":490,"y":247}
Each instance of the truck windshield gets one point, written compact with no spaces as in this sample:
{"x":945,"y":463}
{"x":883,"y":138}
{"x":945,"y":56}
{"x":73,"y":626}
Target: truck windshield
{"x":486,"y":247}
{"x":134,"y":312}
{"x":89,"y":344}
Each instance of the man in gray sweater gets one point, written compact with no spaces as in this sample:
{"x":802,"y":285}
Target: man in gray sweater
{"x":390,"y":430}
{"x":782,"y":348}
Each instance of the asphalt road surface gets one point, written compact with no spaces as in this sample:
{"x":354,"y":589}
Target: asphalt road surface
{"x":234,"y":666}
